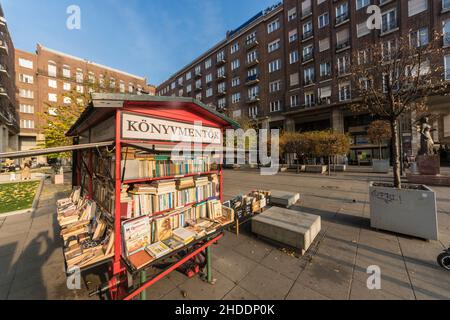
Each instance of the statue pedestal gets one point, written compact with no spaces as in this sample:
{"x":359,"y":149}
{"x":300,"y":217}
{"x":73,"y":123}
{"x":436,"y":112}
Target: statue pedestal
{"x":429,"y":165}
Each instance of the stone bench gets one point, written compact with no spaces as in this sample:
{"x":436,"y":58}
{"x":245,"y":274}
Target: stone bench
{"x":284,"y":198}
{"x":293,"y":228}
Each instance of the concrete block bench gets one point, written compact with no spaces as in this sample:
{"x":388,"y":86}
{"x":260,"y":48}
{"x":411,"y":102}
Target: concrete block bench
{"x":283,"y":198}
{"x":293,"y":228}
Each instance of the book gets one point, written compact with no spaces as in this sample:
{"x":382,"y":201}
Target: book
{"x":136,"y":235}
{"x":140,"y":259}
{"x":163,"y":228}
{"x":184,"y":235}
{"x":158,"y":250}
{"x":173,"y":244}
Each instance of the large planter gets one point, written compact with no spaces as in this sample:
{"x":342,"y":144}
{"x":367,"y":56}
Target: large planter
{"x":380,"y":166}
{"x":409,"y":211}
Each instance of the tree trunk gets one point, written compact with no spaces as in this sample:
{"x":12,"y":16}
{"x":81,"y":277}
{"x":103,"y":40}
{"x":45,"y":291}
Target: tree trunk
{"x":381,"y":153}
{"x":396,"y":154}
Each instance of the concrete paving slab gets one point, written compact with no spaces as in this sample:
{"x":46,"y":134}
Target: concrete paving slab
{"x":238,"y":293}
{"x":197,"y":289}
{"x":176,"y":294}
{"x":301,"y":292}
{"x":254,"y":249}
{"x":160,"y":289}
{"x":361,"y":292}
{"x":289,"y":266}
{"x":232,"y":264}
{"x":267,"y":284}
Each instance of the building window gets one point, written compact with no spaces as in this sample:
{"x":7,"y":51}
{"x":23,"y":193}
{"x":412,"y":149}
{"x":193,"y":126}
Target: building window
{"x":221,"y":72}
{"x":198,"y":70}
{"x":361,"y":4}
{"x":325,"y":95}
{"x":180,"y":81}
{"x":389,"y":21}
{"x":273,"y":46}
{"x":310,"y":99}
{"x":67,"y":100}
{"x":209,"y":92}
{"x":253,"y":112}
{"x":307,"y":30}
{"x":235,"y":64}
{"x":66,"y":71}
{"x":52,"y":97}
{"x":80,"y":89}
{"x":325,"y":69}
{"x":273,"y":26}
{"x":25,"y":78}
{"x":341,"y":12}
{"x":24,"y":93}
{"x":208,"y":78}
{"x":235,"y":82}
{"x":79,"y":76}
{"x":198,"y":84}
{"x":52,"y":83}
{"x":189,"y":88}
{"x":389,"y":48}
{"x":293,"y":35}
{"x":252,"y":74}
{"x":235,"y":48}
{"x":236,"y":97}
{"x":122,"y":86}
{"x":199,"y":96}
{"x":26,"y":108}
{"x":445,"y":4}
{"x":188,"y":75}
{"x":292,"y":14}
{"x":275,"y":86}
{"x":342,"y":39}
{"x":66,"y":86}
{"x":308,"y":75}
{"x":324,"y":20}
{"x":253,"y":93}
{"x":274,"y":65}
{"x":220,"y":56}
{"x":25,"y":63}
{"x":91,"y":77}
{"x":222,"y":103}
{"x":221,"y":87}
{"x":295,"y":101}
{"x":251,"y":38}
{"x":27,"y":124}
{"x":275,"y":106}
{"x":344,"y":91}
{"x":51,"y":70}
{"x":293,"y":57}
{"x":416,"y":7}
{"x":447,"y":67}
{"x":343,"y":65}
{"x":252,"y":56}
{"x":237,"y":114}
{"x":208,"y":64}
{"x":308,"y":53}
{"x":419,"y":38}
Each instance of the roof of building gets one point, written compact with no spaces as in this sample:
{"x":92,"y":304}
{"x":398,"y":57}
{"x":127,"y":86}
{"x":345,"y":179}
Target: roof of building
{"x":105,"y":101}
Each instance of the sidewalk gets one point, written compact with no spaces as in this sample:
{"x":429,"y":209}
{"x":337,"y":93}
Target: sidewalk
{"x":31,"y":258}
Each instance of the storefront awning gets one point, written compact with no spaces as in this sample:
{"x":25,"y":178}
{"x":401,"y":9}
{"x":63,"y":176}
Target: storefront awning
{"x":41,"y":152}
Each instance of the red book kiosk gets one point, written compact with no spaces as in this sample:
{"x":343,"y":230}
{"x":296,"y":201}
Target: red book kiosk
{"x":148,"y":128}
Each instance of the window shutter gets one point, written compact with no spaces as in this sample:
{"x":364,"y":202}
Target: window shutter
{"x":362,"y":29}
{"x":325,"y":92}
{"x":417,"y":6}
{"x":306,"y":7}
{"x":294,"y":79}
{"x":342,"y":36}
{"x":324,"y":44}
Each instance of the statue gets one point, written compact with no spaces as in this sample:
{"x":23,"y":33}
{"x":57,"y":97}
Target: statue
{"x":426,"y":140}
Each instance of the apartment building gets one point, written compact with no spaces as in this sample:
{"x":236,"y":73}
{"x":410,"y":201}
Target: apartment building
{"x":44,"y":77}
{"x":8,"y":117}
{"x":288,"y":66}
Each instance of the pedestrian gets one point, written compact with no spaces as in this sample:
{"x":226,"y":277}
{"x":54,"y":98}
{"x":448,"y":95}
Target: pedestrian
{"x":26,"y":172}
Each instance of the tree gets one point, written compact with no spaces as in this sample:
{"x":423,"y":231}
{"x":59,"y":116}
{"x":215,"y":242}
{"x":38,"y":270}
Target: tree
{"x":394,"y":77}
{"x":295,"y":143}
{"x":378,"y":132}
{"x":57,"y":120}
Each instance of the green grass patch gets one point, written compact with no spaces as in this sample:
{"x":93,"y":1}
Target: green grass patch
{"x":17,"y":196}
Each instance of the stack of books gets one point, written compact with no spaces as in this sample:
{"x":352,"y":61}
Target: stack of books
{"x":158,"y":250}
{"x":184,"y":235}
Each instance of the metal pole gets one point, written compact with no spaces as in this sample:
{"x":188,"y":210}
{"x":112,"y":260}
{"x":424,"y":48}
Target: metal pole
{"x":143,"y":279}
{"x":208,"y":265}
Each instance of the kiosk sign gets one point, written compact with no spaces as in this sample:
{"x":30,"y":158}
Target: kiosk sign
{"x":139,"y":127}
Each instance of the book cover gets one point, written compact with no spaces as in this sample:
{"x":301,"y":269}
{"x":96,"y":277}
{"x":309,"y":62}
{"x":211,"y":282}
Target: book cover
{"x":158,"y":250}
{"x":136,"y":235}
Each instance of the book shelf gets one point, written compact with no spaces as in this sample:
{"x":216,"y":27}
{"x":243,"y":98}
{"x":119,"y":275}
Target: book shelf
{"x":139,"y":183}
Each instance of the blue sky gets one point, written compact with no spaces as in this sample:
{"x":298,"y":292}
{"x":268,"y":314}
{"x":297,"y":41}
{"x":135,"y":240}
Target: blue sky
{"x":150,"y":38}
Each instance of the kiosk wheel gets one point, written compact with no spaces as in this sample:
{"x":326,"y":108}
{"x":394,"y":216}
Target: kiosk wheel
{"x":444,"y":260}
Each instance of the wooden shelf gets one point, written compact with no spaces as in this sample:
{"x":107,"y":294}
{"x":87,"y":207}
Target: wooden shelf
{"x":141,"y":180}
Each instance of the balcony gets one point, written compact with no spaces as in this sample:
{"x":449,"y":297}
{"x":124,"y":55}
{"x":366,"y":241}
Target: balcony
{"x":251,"y":44}
{"x":252,"y":80}
{"x":198,"y":75}
{"x":343,"y":45}
{"x":308,"y":82}
{"x":221,"y":77}
{"x":307,"y":35}
{"x":3,"y":92}
{"x":252,"y":63}
{"x":323,"y":101}
{"x":3,"y":70}
{"x":3,"y":45}
{"x":306,"y":13}
{"x":221,"y":93}
{"x":340,"y":19}
{"x":253,"y":99}
{"x":221,"y":61}
{"x":342,"y":71}
{"x":196,"y":89}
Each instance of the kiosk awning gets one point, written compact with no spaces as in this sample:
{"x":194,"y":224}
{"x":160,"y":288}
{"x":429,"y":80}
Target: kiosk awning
{"x":41,"y":152}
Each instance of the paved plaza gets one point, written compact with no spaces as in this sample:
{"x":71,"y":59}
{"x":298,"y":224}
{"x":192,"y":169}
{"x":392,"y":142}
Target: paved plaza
{"x":31,"y":257}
